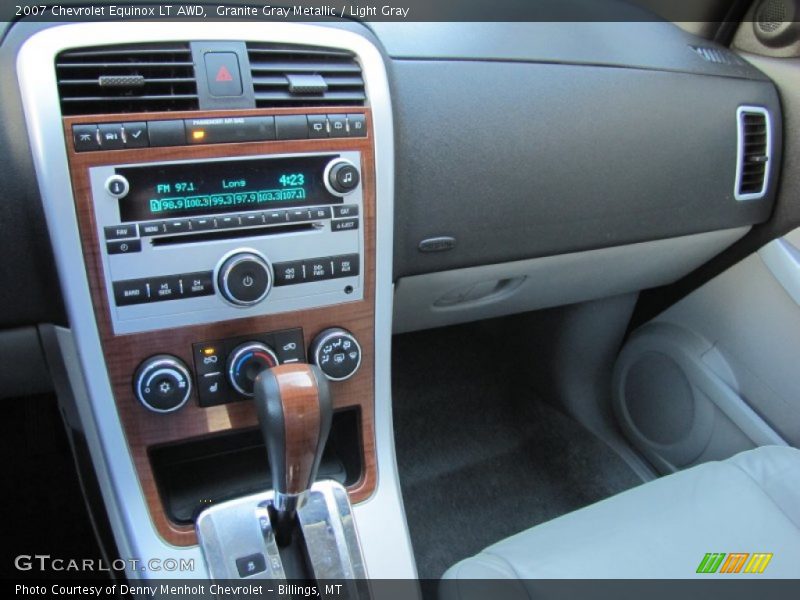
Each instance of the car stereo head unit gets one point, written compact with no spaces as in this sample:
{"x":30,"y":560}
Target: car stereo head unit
{"x":191,"y":242}
{"x":244,"y":184}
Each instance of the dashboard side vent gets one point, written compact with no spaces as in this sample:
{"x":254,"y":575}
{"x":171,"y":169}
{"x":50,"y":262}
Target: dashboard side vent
{"x":127,"y":79}
{"x":754,"y":135}
{"x":304,"y":76}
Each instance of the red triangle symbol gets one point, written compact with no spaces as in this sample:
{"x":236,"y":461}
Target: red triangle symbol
{"x":223,"y":74}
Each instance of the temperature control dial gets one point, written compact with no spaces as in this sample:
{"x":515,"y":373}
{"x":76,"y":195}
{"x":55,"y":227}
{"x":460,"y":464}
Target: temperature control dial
{"x":244,"y":278}
{"x":337,"y":353}
{"x":341,"y":177}
{"x":162,"y":383}
{"x":246,"y":362}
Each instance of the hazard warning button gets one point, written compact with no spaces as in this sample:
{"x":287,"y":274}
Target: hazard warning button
{"x":223,"y":74}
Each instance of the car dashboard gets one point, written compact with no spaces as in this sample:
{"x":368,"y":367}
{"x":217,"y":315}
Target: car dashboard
{"x":299,"y":192}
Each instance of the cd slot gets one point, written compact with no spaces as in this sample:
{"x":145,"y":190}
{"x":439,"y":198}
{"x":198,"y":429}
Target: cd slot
{"x":231,"y":234}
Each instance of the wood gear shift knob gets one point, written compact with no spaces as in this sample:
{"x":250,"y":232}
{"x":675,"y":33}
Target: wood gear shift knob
{"x":295,"y":412}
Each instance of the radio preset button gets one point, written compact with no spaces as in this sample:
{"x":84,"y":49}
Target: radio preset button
{"x":244,"y":279}
{"x":228,"y":222}
{"x":84,"y":137}
{"x":117,"y":186}
{"x":203,"y":224}
{"x":118,"y":232}
{"x":289,"y":273}
{"x":124,"y":246}
{"x":177,"y":226}
{"x":346,"y":210}
{"x":252,"y":219}
{"x":275,"y":217}
{"x":344,"y":224}
{"x":152,"y":228}
{"x":298,"y":215}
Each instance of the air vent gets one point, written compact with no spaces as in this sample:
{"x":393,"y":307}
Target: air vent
{"x":127,"y":79}
{"x":752,"y":159}
{"x":304,"y":76}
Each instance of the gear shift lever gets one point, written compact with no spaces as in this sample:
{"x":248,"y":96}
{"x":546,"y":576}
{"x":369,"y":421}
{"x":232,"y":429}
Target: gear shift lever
{"x":294,"y":412}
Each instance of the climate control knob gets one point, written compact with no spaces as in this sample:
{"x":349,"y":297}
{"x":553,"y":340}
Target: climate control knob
{"x":244,"y":278}
{"x":341,"y":177}
{"x":162,"y":383}
{"x":246,"y":362}
{"x":337,"y":353}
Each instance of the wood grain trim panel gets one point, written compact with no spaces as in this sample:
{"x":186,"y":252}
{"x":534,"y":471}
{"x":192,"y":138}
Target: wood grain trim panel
{"x":144,"y":429}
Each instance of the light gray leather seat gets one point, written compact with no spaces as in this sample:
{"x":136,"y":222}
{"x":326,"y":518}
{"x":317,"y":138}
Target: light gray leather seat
{"x":749,"y":503}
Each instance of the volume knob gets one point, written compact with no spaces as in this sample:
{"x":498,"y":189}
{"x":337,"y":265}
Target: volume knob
{"x":244,"y":278}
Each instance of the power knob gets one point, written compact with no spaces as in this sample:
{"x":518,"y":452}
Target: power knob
{"x":162,"y":383}
{"x":246,"y":362}
{"x":337,"y":353}
{"x":244,"y":278}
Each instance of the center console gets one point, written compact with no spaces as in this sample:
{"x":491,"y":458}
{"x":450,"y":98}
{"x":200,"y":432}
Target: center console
{"x":210,"y":261}
{"x":200,"y":245}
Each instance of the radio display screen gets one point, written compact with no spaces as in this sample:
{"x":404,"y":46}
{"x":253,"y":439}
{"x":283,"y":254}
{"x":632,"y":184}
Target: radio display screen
{"x":224,"y":186}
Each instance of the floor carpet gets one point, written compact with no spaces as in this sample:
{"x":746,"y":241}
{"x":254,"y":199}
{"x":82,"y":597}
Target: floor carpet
{"x":481,"y":454}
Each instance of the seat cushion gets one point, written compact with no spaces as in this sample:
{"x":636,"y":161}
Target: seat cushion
{"x":749,"y":503}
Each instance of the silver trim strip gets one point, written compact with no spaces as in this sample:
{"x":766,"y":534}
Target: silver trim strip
{"x":740,"y":113}
{"x":242,"y":527}
{"x":381,"y":520}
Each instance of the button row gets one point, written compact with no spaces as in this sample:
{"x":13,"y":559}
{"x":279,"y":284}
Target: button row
{"x":254,"y":219}
{"x":251,"y":219}
{"x":169,"y":287}
{"x":316,"y":269}
{"x":180,"y":132}
{"x":333,"y":126}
